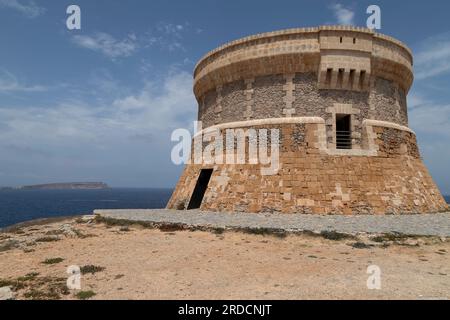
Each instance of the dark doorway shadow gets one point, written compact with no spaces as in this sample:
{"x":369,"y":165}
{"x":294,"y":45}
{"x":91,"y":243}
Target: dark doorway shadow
{"x":200,"y":189}
{"x":343,"y":131}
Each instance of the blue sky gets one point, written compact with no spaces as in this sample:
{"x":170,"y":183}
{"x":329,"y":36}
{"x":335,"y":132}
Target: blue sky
{"x":100,"y":103}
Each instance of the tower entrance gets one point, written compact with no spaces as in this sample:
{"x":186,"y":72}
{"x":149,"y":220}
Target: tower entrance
{"x":200,"y":189}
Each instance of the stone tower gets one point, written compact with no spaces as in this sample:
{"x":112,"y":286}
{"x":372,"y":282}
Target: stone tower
{"x":337,"y":95}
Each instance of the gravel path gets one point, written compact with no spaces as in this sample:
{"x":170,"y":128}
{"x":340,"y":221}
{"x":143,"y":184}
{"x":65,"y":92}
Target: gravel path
{"x":423,"y":224}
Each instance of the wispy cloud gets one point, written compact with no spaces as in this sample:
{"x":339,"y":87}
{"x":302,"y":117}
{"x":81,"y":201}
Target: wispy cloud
{"x":428,"y":116}
{"x":171,"y":29}
{"x":169,"y":103}
{"x":156,"y":108}
{"x":429,"y":108}
{"x":430,"y":119}
{"x":343,"y":15}
{"x":9,"y":83}
{"x":29,"y":9}
{"x":168,"y":36}
{"x":165,"y":36}
{"x":107,"y":44}
{"x":433,"y":57}
{"x":78,"y":138}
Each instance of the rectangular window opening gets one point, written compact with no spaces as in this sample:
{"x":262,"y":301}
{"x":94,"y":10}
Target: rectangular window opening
{"x":200,"y":189}
{"x":343,"y":131}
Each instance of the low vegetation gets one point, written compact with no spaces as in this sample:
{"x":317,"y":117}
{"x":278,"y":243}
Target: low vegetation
{"x":47,"y":239}
{"x":336,"y":236}
{"x":53,"y":261}
{"x":279,"y":233}
{"x":91,"y":269}
{"x":360,"y":245}
{"x":33,"y":287}
{"x":84,"y":295}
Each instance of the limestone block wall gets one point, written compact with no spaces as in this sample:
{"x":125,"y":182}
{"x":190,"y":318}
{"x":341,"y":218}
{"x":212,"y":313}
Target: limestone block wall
{"x":313,"y":180}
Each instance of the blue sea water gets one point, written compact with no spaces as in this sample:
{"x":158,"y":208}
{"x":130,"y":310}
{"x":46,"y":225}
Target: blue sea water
{"x":23,"y":205}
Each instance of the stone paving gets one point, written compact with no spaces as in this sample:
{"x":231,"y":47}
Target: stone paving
{"x":421,"y":225}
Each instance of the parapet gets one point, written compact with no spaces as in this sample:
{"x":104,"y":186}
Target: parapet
{"x":343,"y":57}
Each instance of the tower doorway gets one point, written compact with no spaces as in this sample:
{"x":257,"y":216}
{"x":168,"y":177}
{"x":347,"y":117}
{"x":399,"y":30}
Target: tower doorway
{"x":200,"y":189}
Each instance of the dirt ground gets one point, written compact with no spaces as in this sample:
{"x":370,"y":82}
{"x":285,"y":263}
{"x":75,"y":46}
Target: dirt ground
{"x":137,"y":263}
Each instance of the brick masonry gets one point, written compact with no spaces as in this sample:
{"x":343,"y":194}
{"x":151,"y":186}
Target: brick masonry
{"x":297,"y":81}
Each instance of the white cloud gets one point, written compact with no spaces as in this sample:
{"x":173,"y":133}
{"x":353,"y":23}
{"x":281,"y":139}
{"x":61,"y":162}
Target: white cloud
{"x":124,"y":141}
{"x":166,"y":36}
{"x":159,"y":107}
{"x":171,"y":29}
{"x":152,"y":111}
{"x":342,"y":14}
{"x":433,"y":57}
{"x":431,"y":118}
{"x":29,"y":9}
{"x":416,"y":100}
{"x":431,"y":122}
{"x":107,"y":44}
{"x":9,"y":83}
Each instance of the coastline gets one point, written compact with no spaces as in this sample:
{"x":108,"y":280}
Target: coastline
{"x":18,"y":206}
{"x":67,"y":203}
{"x":37,"y":222}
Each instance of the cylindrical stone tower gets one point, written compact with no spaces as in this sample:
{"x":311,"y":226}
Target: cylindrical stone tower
{"x":337,"y":95}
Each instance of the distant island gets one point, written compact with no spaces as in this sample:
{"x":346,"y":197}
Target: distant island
{"x":62,"y":186}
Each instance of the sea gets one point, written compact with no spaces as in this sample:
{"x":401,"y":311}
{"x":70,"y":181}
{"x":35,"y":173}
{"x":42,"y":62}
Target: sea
{"x":23,"y":205}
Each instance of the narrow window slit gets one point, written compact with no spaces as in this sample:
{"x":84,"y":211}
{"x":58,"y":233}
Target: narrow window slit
{"x":361,"y":79}
{"x":328,"y":78}
{"x":351,"y":77}
{"x":340,"y":78}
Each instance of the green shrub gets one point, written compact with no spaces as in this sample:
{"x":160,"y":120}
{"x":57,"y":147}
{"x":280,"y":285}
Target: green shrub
{"x":84,"y":295}
{"x":91,"y":269}
{"x":53,"y":261}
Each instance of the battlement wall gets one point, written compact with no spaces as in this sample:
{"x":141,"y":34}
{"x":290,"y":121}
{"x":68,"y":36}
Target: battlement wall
{"x":347,"y":53}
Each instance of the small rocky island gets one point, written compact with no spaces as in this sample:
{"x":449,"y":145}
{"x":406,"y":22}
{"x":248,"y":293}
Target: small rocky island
{"x":67,"y":186}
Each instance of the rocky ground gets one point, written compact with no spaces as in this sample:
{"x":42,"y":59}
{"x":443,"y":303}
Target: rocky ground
{"x":128,"y":260}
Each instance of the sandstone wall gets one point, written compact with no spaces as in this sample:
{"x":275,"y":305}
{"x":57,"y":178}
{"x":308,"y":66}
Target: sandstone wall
{"x":311,"y":180}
